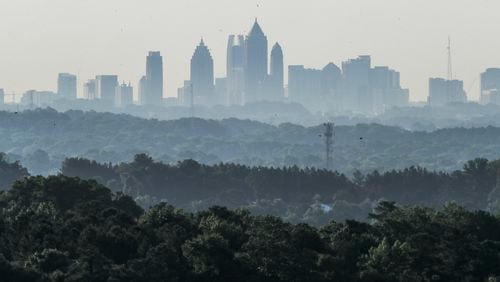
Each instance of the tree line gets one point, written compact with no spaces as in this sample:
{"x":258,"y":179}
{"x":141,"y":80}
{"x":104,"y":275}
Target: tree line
{"x":310,"y":195}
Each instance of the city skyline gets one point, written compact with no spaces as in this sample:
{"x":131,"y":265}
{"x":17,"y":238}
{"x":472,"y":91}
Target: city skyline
{"x":418,"y":53}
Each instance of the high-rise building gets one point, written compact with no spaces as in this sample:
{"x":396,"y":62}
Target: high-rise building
{"x":256,"y":63}
{"x":386,"y":89}
{"x":66,"y":86}
{"x":143,"y":88}
{"x":2,"y":96}
{"x":36,"y":99}
{"x":357,"y":69}
{"x":235,"y":70}
{"x":90,"y":89}
{"x":355,"y":86}
{"x":124,"y":95}
{"x":153,"y":94}
{"x":275,"y":90}
{"x":184,"y":95}
{"x":331,"y":75}
{"x":490,"y":86}
{"x":105,"y":88}
{"x":304,"y":85}
{"x":202,"y":75}
{"x":235,"y":53}
{"x":220,"y":90}
{"x":443,"y":91}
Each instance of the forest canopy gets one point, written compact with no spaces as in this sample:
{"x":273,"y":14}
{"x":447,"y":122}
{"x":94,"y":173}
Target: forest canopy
{"x":66,"y":229}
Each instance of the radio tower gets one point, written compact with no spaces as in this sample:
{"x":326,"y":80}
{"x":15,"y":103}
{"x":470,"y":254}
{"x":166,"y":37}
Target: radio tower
{"x":328,"y":137}
{"x":450,"y":69}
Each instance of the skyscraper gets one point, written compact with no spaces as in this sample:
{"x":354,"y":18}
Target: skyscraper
{"x":124,"y":95}
{"x":2,"y":97}
{"x":235,"y":69}
{"x":386,"y":91}
{"x":235,"y":53}
{"x":202,"y":75}
{"x":276,"y":77}
{"x":36,"y":99}
{"x":490,"y":86}
{"x":154,"y":80}
{"x":143,"y":89}
{"x":331,"y":76}
{"x":220,"y":90}
{"x":304,"y":86}
{"x":356,"y":84}
{"x":105,"y":88}
{"x":256,"y":63}
{"x":184,"y":93}
{"x":443,"y":91}
{"x":90,"y":89}
{"x":66,"y":86}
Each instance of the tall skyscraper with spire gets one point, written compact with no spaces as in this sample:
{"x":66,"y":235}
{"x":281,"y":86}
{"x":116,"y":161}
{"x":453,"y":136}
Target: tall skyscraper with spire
{"x":202,"y":75}
{"x":153,"y":94}
{"x":256,"y":63}
{"x":235,"y":69}
{"x":276,"y":77}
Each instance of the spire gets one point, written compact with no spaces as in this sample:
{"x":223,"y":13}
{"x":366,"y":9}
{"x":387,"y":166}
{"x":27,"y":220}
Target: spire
{"x":202,"y":50}
{"x":256,"y":30}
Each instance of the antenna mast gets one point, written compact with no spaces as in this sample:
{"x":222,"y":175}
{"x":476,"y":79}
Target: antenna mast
{"x":328,"y":137}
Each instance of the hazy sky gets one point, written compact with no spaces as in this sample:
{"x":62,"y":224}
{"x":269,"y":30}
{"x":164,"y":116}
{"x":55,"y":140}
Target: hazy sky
{"x":40,"y":38}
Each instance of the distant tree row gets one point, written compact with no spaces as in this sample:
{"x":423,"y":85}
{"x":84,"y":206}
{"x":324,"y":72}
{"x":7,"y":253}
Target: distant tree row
{"x":42,"y":139}
{"x":10,"y":172}
{"x":314,"y":196}
{"x":66,"y":229}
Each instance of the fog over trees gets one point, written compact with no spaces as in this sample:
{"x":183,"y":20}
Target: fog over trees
{"x":42,"y":139}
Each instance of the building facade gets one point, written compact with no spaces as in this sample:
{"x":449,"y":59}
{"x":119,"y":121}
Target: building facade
{"x":443,"y":91}
{"x":304,"y":86}
{"x":105,"y":88}
{"x":66,"y":86}
{"x":202,"y":76}
{"x":490,"y":86}
{"x":276,"y":91}
{"x":235,"y":70}
{"x":37,"y":99}
{"x":124,"y":95}
{"x":152,"y":93}
{"x":90,"y":89}
{"x":256,"y":64}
